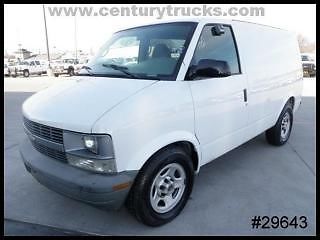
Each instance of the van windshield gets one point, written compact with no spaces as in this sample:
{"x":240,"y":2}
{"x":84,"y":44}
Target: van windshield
{"x":148,"y":52}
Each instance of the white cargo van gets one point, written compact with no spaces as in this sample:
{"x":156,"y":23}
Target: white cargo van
{"x":154,"y":105}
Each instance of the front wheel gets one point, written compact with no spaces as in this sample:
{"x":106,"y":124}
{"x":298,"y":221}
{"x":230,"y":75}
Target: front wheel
{"x":71,"y":72}
{"x":162,"y":187}
{"x":280,"y":132}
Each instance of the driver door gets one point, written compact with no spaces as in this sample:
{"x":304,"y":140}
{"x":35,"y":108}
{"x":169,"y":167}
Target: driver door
{"x":32,"y":67}
{"x":220,"y":104}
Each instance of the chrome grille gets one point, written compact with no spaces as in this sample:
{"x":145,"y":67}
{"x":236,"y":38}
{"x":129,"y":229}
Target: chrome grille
{"x":43,"y":131}
{"x":61,"y":156}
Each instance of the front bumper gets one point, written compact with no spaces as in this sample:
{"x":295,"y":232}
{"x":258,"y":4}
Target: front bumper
{"x":309,"y":69}
{"x":308,"y":72}
{"x":92,"y":188}
{"x":17,"y":72}
{"x":59,"y":71}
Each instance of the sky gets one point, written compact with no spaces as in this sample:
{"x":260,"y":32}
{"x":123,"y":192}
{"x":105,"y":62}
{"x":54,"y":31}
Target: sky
{"x":24,"y":24}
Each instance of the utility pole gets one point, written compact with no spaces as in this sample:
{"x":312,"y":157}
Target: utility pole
{"x":20,"y":52}
{"x":45,"y":25}
{"x":75,"y":36}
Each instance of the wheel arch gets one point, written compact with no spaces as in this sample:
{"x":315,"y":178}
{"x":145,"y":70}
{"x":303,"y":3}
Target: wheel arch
{"x":290,"y":99}
{"x":188,"y":142}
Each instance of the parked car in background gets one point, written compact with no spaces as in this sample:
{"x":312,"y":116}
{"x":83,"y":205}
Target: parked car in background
{"x":6,"y":71}
{"x":64,"y":66}
{"x":16,"y":68}
{"x":308,"y":65}
{"x":138,"y":133}
{"x":82,"y":62}
{"x":9,"y":67}
{"x":27,"y":68}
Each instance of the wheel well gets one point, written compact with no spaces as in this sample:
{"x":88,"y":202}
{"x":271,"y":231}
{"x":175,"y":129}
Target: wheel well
{"x":190,"y":150}
{"x":291,"y":101}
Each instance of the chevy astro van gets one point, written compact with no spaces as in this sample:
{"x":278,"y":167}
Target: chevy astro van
{"x":155,"y":104}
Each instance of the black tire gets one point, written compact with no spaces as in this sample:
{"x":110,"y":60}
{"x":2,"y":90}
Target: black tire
{"x":15,"y":74}
{"x":71,"y":71}
{"x":274,"y":134}
{"x":138,"y":201}
{"x":56,"y":75}
{"x":26,"y":73}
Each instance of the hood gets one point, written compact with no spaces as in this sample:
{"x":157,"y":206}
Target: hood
{"x":76,"y":104}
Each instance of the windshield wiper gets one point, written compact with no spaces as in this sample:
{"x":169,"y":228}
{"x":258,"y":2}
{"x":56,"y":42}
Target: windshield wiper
{"x":121,"y":69}
{"x":124,"y":69}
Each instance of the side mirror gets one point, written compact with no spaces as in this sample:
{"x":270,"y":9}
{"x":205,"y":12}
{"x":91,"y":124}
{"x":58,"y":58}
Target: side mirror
{"x":217,"y":30}
{"x":208,"y":68}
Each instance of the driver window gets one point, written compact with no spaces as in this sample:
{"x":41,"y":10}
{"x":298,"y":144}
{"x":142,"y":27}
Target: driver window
{"x":220,"y":48}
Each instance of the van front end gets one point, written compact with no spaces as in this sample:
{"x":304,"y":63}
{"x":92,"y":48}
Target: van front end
{"x":75,"y":165}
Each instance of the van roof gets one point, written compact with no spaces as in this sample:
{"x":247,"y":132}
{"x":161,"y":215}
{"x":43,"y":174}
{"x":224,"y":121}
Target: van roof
{"x":198,"y":20}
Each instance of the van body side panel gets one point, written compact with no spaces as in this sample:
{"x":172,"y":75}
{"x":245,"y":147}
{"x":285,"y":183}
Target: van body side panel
{"x":272,"y":62}
{"x":220,"y":112}
{"x":146,"y":122}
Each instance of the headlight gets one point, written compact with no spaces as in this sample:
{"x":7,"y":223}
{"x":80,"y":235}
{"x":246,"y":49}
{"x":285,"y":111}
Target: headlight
{"x":91,"y":152}
{"x":90,"y":142}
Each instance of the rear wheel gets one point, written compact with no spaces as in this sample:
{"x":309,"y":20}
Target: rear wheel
{"x":162,"y":187}
{"x":26,"y":73}
{"x":56,"y":74}
{"x":280,"y":132}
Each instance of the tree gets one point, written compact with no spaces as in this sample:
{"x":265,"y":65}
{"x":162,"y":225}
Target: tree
{"x":305,"y":45}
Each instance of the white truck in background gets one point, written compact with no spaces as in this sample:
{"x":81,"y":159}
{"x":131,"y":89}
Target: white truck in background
{"x":82,"y":62}
{"x":64,"y":66}
{"x":308,"y":65}
{"x":28,"y":67}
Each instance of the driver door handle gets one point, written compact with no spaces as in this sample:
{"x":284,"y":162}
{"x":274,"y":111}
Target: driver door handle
{"x":245,"y":95}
